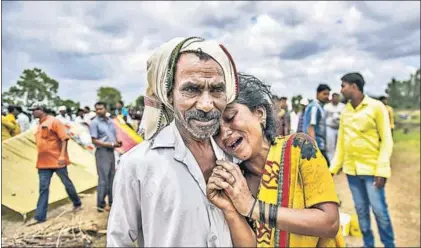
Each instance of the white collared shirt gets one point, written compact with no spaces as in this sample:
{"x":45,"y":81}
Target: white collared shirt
{"x":160,"y":198}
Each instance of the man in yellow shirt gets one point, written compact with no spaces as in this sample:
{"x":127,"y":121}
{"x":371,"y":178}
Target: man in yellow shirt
{"x":363,"y":151}
{"x":10,"y":117}
{"x":389,"y":111}
{"x":7,"y":128}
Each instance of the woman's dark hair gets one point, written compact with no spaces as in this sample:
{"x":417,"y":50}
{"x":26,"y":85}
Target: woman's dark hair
{"x":254,"y":93}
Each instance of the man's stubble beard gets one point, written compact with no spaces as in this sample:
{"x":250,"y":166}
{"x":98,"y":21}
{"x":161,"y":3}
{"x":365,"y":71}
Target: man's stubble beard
{"x":199,"y":136}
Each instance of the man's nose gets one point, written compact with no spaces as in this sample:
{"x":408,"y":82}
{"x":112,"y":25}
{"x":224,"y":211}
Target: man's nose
{"x":205,"y":102}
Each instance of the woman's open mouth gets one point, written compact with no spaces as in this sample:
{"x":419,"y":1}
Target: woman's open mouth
{"x":235,"y":143}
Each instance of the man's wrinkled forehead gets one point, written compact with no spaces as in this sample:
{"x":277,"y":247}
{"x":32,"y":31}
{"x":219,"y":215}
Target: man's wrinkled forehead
{"x":191,"y":65}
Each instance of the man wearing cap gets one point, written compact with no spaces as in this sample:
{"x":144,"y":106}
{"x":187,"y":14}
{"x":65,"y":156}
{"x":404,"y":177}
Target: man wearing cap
{"x":62,"y":116}
{"x":160,"y":187}
{"x":51,"y":140}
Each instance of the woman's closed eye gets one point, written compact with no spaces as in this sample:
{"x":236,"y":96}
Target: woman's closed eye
{"x":230,"y":118}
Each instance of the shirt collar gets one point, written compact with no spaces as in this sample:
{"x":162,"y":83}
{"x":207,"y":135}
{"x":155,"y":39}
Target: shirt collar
{"x":41,"y":120}
{"x":170,"y":137}
{"x":364,"y":102}
{"x":104,"y":119}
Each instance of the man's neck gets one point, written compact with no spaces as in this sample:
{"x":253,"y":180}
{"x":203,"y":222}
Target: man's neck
{"x":320,"y":102}
{"x":357,"y":99}
{"x":335,"y":104}
{"x":42,"y":118}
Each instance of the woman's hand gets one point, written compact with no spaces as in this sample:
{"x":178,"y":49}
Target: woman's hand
{"x":217,"y":196}
{"x":235,"y":186}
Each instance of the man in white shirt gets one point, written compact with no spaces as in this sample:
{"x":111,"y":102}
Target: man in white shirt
{"x":160,"y":187}
{"x":295,"y":116}
{"x":333,"y":112}
{"x":22,"y":119}
{"x":89,"y":115}
{"x":80,"y":116}
{"x":62,"y":116}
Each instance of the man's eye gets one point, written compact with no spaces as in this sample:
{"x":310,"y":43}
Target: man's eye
{"x":191,"y":90}
{"x":218,"y":89}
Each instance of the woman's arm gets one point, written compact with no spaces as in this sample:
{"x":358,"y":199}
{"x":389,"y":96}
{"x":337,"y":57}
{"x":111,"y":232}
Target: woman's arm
{"x":241,"y":233}
{"x":322,"y":220}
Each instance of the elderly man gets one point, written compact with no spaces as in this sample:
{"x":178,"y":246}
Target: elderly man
{"x":62,"y":116}
{"x":160,"y":189}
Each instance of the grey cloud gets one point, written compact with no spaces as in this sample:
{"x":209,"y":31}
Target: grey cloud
{"x":302,"y":49}
{"x":111,"y":24}
{"x":370,"y":13}
{"x":214,"y":21}
{"x":10,"y":6}
{"x":394,"y":41}
{"x":113,"y":28}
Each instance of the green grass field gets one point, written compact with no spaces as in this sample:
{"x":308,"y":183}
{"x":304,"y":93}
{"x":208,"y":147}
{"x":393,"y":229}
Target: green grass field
{"x":407,"y":145}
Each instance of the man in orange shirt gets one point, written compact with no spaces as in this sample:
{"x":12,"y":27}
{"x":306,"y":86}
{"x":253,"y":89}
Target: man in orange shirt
{"x":51,"y":140}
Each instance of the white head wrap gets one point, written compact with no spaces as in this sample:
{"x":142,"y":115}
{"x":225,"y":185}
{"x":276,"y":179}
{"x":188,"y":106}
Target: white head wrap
{"x":158,"y":111}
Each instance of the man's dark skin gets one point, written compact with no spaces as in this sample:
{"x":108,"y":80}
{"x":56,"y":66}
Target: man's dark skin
{"x":352,"y":93}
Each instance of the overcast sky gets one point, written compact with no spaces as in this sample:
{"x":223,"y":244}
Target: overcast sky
{"x":291,"y":45}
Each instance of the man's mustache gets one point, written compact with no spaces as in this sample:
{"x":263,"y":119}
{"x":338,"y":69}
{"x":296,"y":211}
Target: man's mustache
{"x":201,"y":115}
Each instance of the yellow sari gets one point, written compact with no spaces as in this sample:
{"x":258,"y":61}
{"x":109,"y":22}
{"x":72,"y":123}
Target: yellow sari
{"x":295,"y":176}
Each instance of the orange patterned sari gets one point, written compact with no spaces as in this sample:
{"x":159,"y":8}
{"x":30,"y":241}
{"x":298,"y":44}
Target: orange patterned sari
{"x":295,"y":176}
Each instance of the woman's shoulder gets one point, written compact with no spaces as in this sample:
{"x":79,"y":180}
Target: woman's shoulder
{"x":297,"y":139}
{"x":303,"y":143}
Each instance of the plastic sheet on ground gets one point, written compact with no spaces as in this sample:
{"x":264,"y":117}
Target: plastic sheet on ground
{"x":20,"y":181}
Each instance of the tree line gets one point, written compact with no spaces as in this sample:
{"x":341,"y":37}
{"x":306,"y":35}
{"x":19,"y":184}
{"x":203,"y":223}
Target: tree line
{"x":34,"y":85}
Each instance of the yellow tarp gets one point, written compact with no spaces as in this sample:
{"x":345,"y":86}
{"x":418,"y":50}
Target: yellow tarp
{"x":20,"y":182}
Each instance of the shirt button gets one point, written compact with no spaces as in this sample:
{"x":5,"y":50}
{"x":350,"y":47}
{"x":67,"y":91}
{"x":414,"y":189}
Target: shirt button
{"x":212,"y":207}
{"x":213,"y":238}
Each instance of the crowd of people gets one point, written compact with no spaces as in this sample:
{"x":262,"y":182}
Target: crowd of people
{"x":15,"y":120}
{"x":225,"y":162}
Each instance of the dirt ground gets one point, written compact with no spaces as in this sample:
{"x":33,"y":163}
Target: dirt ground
{"x":403,"y":197}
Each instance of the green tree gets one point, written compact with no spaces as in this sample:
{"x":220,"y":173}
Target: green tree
{"x":405,"y":94}
{"x":295,"y":101}
{"x":139,"y":102}
{"x":66,"y":102}
{"x":109,"y":95}
{"x":33,"y":86}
